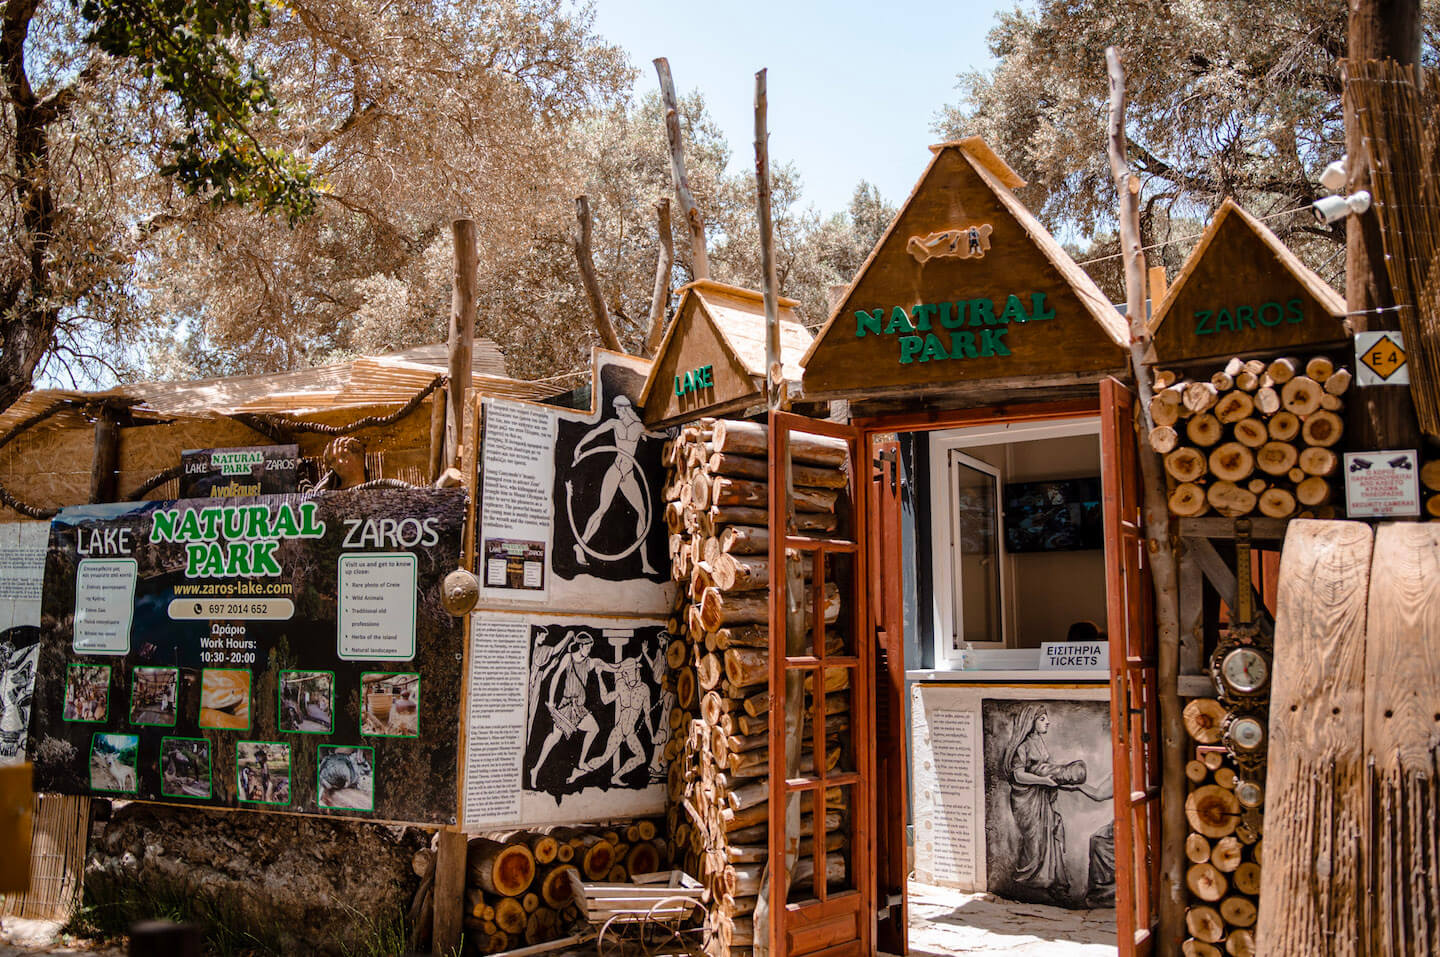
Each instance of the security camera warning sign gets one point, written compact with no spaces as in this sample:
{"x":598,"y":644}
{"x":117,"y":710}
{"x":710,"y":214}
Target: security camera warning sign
{"x":1382,"y":484}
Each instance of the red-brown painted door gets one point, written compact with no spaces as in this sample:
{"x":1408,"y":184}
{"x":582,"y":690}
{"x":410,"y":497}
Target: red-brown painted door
{"x":888,"y":623}
{"x":829,"y":909}
{"x":1134,"y":727}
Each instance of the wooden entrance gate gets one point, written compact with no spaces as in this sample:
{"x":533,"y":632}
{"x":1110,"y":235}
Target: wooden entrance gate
{"x":884,"y":553}
{"x":1134,"y":724}
{"x":831,"y":914}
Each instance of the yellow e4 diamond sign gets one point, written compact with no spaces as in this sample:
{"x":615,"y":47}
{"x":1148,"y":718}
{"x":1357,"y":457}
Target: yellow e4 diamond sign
{"x":1380,"y":358}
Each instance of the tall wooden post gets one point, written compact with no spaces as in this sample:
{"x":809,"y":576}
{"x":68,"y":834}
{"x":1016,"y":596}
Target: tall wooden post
{"x":1173,"y":826}
{"x":694,"y":222}
{"x":104,"y":466}
{"x":1381,"y":417}
{"x":462,"y":334}
{"x":449,"y":891}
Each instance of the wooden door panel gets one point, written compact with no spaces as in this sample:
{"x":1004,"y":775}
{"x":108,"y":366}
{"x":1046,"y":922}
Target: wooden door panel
{"x":1133,"y":717}
{"x":888,"y":624}
{"x":831,"y":920}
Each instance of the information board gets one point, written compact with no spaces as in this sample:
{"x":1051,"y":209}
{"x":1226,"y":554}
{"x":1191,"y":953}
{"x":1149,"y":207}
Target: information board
{"x":568,"y":718}
{"x":285,"y":652}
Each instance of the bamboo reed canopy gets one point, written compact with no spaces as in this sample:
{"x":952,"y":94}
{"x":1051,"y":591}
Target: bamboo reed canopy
{"x":48,"y":438}
{"x":1395,"y":107}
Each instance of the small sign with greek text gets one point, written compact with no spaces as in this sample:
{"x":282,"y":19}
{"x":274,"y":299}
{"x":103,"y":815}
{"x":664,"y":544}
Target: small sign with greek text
{"x":1382,"y":484}
{"x":1075,"y":656}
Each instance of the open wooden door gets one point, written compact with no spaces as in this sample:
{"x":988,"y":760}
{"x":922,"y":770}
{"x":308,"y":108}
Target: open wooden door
{"x":829,"y":909}
{"x":1134,"y":726}
{"x":888,"y":624}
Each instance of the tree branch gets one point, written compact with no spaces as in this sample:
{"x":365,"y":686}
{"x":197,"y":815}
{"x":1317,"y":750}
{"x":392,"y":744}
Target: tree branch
{"x":663,"y":264}
{"x":586,"y":262}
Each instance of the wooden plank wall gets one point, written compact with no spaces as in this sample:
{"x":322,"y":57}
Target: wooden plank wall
{"x":1352,"y":838}
{"x":1402,"y":742}
{"x":1309,"y":892}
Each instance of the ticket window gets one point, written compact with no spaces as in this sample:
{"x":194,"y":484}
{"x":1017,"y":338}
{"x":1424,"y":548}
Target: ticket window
{"x":1017,"y":555}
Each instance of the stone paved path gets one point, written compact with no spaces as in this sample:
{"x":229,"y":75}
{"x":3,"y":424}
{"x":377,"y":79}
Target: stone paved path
{"x":945,"y":922}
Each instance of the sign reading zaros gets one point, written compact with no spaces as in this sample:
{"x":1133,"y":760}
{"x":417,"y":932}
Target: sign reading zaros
{"x":282,"y":650}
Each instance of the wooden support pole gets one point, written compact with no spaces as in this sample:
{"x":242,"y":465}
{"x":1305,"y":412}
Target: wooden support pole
{"x":699,"y":262}
{"x":773,"y":377}
{"x":1382,"y":417}
{"x":1173,"y":828}
{"x":585,"y":260}
{"x":104,"y":466}
{"x":466,"y":262}
{"x":436,"y":463}
{"x":664,"y":263}
{"x":449,"y":891}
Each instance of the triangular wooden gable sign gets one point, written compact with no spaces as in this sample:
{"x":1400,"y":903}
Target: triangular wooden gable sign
{"x":965,"y":287}
{"x":712,"y":359}
{"x":1243,"y":292}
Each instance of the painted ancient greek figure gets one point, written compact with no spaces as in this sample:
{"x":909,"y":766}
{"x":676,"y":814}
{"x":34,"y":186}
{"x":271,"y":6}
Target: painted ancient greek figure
{"x":566,"y":702}
{"x":623,"y":476}
{"x":1040,"y":860}
{"x":1036,"y":780}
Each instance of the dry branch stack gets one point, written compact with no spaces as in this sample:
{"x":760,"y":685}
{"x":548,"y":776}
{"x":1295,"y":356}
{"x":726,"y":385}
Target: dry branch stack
{"x":717,"y":498}
{"x":518,"y":891}
{"x":1224,"y":848}
{"x":1255,"y":437}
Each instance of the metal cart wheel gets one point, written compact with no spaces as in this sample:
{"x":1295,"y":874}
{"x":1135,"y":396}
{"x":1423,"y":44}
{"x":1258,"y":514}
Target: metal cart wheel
{"x":664,"y":931}
{"x":611,"y":940}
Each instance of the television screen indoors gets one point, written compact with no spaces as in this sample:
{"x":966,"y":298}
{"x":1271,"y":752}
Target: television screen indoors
{"x":1060,"y":516}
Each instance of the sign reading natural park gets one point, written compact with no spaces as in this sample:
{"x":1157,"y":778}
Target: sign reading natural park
{"x":965,"y":286}
{"x":284,"y":652}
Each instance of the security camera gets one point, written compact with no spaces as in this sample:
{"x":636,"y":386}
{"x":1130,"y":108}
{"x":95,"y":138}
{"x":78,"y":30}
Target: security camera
{"x":1330,"y":209}
{"x":1335,"y":175}
{"x":1358,"y":201}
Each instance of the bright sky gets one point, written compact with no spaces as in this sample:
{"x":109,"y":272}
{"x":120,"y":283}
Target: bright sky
{"x":853,"y":85}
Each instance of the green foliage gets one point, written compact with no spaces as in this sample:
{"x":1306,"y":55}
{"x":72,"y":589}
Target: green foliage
{"x":186,"y":47}
{"x":111,"y":906}
{"x":1236,"y":98}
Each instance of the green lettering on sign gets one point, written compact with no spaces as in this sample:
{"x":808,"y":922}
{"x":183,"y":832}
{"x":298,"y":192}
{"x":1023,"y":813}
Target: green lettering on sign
{"x":1245,"y":317}
{"x":695,"y":380}
{"x":914,"y":329}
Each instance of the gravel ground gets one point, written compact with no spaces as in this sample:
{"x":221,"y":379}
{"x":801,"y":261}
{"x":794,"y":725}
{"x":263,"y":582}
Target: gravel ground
{"x":942,"y":922}
{"x":19,"y":936}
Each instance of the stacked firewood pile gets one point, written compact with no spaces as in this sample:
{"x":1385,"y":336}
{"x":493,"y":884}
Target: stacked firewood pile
{"x":1224,"y":846}
{"x":717,"y":495}
{"x":1255,"y":436}
{"x":518,"y":890}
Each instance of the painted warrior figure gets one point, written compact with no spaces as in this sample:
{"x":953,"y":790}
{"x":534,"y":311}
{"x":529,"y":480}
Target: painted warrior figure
{"x":566,"y":702}
{"x":631,"y":698}
{"x":622,"y":477}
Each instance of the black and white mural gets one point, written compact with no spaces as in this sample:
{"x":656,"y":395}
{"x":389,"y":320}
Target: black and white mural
{"x":596,"y":708}
{"x":567,"y":718}
{"x":19,"y":657}
{"x":570,"y":499}
{"x":607,"y":496}
{"x":22,"y":570}
{"x":1049,"y":820}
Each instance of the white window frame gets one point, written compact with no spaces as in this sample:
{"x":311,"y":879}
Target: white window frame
{"x":945,"y":597}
